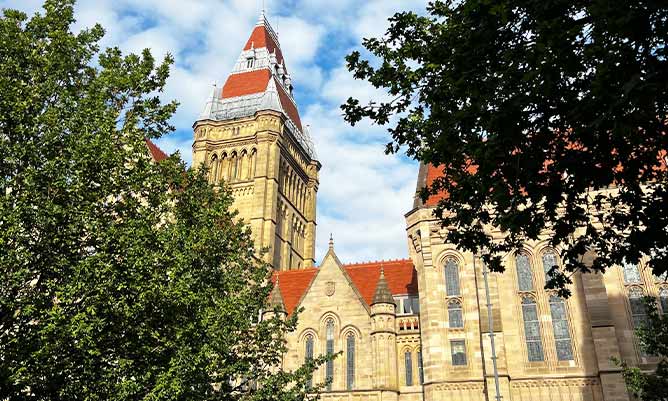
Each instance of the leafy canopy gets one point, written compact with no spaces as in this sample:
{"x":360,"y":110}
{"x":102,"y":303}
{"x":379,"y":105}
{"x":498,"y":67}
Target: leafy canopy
{"x":531,"y":108}
{"x":653,"y":338}
{"x":120,"y":278}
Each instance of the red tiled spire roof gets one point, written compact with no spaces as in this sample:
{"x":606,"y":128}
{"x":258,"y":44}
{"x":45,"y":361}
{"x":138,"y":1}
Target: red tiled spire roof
{"x":246,"y":83}
{"x":259,"y":82}
{"x":260,"y":37}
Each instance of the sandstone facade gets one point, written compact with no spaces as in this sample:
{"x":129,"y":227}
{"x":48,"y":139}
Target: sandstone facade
{"x":419,"y":328}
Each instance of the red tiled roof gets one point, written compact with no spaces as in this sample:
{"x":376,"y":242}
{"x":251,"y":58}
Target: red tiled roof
{"x":246,"y":83}
{"x":259,"y":38}
{"x":293,"y":285}
{"x":400,"y":275}
{"x":156,"y":153}
{"x":289,"y":106}
{"x":433,"y":173}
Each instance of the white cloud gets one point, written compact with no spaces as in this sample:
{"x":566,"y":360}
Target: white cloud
{"x":363,"y":192}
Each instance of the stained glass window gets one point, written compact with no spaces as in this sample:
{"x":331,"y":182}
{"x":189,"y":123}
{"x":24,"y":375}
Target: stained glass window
{"x":329,"y":367}
{"x":308,"y":355}
{"x":638,"y":312}
{"x":562,"y":335}
{"x":663,"y":298}
{"x":408,"y":364}
{"x":631,"y":273}
{"x":532,"y":330}
{"x":350,"y":361}
{"x":458,"y":352}
{"x":524,"y":276}
{"x":549,"y":260}
{"x":455,"y":316}
{"x":420,"y":370}
{"x":451,"y":277}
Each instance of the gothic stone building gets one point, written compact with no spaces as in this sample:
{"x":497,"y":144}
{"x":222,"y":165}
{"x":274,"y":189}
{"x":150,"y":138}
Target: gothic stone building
{"x":413,"y":329}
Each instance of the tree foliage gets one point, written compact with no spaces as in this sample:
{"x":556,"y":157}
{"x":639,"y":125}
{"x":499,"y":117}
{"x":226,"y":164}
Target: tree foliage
{"x":120,"y":278}
{"x":653,"y":339}
{"x":531,"y":108}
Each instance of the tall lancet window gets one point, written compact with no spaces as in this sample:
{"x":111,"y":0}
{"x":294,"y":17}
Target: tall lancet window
{"x":329,"y":367}
{"x":451,"y":277}
{"x":532,"y":330}
{"x":562,"y":334}
{"x":350,"y":361}
{"x":213,"y":168}
{"x":308,"y":355}
{"x":638,"y":311}
{"x":408,"y":367}
{"x":631,"y":273}
{"x":549,"y":260}
{"x":663,"y":297}
{"x":524,"y":275}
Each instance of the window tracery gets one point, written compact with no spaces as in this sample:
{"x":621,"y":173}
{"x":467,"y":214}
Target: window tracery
{"x":560,"y":327}
{"x":524,"y":274}
{"x":532,"y":335}
{"x":350,"y":361}
{"x":451,"y":277}
{"x":455,"y":315}
{"x":329,"y":366}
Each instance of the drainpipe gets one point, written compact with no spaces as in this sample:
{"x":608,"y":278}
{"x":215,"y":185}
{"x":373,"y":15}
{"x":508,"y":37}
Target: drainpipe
{"x":482,"y":344}
{"x":490,"y":320}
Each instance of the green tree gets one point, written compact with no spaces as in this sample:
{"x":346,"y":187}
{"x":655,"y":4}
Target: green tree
{"x":654,"y":341}
{"x":120,"y":278}
{"x":530,"y":108}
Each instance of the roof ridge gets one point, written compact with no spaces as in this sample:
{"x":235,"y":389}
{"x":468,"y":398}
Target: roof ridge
{"x":372,"y":262}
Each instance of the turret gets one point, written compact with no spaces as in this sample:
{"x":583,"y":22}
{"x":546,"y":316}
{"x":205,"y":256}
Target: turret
{"x":384,"y":336}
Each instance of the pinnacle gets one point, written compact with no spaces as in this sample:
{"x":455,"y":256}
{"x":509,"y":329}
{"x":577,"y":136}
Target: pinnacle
{"x":383,"y":294}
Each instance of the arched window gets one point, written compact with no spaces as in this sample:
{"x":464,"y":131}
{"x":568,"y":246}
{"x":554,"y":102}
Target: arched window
{"x":408,"y":367}
{"x":329,"y":367}
{"x":455,"y":316}
{"x":214,"y":169}
{"x":524,"y":275}
{"x":350,"y":361}
{"x":235,"y":167}
{"x":638,"y":312}
{"x":549,"y":261}
{"x":451,"y":277}
{"x":308,"y":355}
{"x":562,"y":335}
{"x":663,"y":298}
{"x":420,"y":369}
{"x":631,"y":273}
{"x":532,"y":330}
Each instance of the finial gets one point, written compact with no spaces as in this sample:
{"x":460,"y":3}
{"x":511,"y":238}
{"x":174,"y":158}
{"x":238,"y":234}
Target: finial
{"x":331,"y":241}
{"x":382,"y":270}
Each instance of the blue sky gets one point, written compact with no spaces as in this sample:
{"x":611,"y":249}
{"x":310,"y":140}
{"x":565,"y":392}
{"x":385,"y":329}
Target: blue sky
{"x":363,"y":193}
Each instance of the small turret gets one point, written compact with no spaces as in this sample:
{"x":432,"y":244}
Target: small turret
{"x":382,"y":294}
{"x":383,"y":334}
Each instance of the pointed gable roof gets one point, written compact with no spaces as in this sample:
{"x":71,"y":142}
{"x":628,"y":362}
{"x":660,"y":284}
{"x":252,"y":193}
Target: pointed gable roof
{"x":156,"y":153}
{"x":400,"y":279}
{"x":293,"y":285}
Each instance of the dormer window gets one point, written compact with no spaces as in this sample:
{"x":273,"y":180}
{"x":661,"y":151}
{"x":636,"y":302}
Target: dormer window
{"x":249,"y":62}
